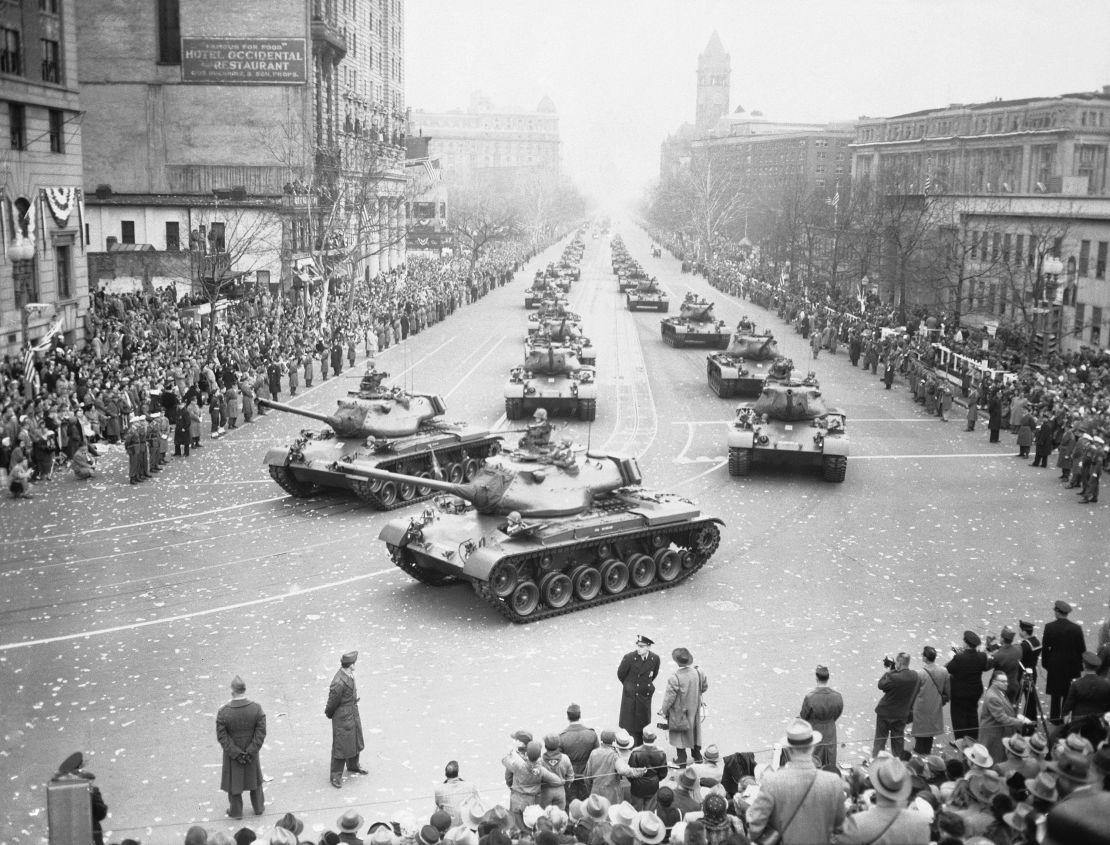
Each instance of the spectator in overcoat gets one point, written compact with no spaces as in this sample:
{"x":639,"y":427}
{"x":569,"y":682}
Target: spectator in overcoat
{"x":1062,"y":656}
{"x":241,"y":730}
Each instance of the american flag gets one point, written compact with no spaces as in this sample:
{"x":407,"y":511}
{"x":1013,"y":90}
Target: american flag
{"x":834,"y":200}
{"x":29,"y":371}
{"x":928,"y":184}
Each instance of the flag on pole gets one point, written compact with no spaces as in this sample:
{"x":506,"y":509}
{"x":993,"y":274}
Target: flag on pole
{"x":834,"y":200}
{"x":44,"y":344}
{"x":928,"y":184}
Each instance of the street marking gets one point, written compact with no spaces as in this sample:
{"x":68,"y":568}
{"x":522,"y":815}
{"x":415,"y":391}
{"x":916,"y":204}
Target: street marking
{"x":195,"y":614}
{"x":926,"y":457}
{"x":712,"y":469}
{"x":466,"y":375}
{"x":850,"y":420}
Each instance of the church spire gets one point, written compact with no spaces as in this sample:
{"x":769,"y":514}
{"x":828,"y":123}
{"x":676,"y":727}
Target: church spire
{"x":714,"y":74}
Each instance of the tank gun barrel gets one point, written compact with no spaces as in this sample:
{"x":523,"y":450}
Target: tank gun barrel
{"x":300,"y":412}
{"x":464,"y":491}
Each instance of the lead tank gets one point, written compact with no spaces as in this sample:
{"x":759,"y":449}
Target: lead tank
{"x":538,"y":534}
{"x":391,"y":429}
{"x":789,"y":423}
{"x":738,"y":371}
{"x":695,"y":324}
{"x":647,"y":294}
{"x":552,"y":377}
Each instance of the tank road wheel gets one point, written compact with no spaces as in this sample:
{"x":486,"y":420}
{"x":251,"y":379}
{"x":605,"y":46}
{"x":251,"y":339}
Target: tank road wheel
{"x":614,"y":576}
{"x":556,"y":590}
{"x":834,"y":467}
{"x":686,"y":558}
{"x":525,"y":598}
{"x":667,"y":564}
{"x":406,"y":491}
{"x":455,"y":473}
{"x":388,"y":494}
{"x":503,"y":579}
{"x":422,"y":490}
{"x":587,"y":410}
{"x":706,"y":539}
{"x":470,"y":468}
{"x":514,"y":408}
{"x":365,"y":491}
{"x":290,"y":483}
{"x":641,"y":570}
{"x":587,"y":583}
{"x":739,"y":462}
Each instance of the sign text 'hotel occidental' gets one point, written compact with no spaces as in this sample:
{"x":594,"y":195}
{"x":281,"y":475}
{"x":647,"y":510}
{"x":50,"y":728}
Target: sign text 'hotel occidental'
{"x":244,"y":61}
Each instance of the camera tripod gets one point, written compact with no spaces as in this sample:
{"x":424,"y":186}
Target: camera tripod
{"x":1029,"y":703}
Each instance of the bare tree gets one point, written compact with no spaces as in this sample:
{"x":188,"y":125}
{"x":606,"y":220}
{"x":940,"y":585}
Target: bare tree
{"x":482,"y":215}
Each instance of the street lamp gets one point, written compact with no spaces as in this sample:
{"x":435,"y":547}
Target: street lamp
{"x":21,"y":249}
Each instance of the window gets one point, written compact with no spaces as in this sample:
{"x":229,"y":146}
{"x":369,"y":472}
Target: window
{"x":50,"y":6}
{"x":1096,"y":326}
{"x":1084,"y":258}
{"x":127,"y":231}
{"x":17,"y":122}
{"x":1100,"y":263}
{"x":169,"y":32}
{"x":1006,"y":239}
{"x":1079,"y":309}
{"x":11,"y":56}
{"x":51,"y":61}
{"x":173,"y":236}
{"x":996,"y":246}
{"x":216,"y":238}
{"x":1019,"y":250}
{"x":57,"y":131}
{"x":64,"y":266}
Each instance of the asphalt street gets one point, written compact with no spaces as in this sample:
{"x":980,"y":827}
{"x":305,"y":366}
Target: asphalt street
{"x":125,"y":610}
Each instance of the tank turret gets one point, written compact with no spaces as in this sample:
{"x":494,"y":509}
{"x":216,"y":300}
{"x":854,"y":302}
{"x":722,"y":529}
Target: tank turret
{"x":393,"y":414}
{"x":791,"y":400}
{"x":551,"y":359}
{"x":753,"y":347}
{"x":696,"y":310}
{"x":539,"y":535}
{"x":525,"y":483}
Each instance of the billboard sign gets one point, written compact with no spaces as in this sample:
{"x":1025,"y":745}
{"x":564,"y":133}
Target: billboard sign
{"x":244,"y":61}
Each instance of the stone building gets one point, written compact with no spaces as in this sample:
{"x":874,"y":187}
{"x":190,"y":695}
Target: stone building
{"x":484,"y":136}
{"x":1022,"y":185}
{"x":43,"y":277}
{"x":259,"y":136}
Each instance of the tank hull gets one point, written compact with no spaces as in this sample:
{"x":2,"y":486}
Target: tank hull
{"x":647,"y":301}
{"x":679,"y":333}
{"x":801,"y":443}
{"x":729,"y":378}
{"x":553,"y":393}
{"x":306,"y":467}
{"x":626,"y":283}
{"x":629,"y":543}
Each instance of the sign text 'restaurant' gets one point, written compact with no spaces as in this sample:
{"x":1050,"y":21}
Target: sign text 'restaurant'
{"x":243,"y":61}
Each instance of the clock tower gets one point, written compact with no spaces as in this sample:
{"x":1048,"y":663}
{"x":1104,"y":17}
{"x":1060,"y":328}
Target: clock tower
{"x":714,"y":72}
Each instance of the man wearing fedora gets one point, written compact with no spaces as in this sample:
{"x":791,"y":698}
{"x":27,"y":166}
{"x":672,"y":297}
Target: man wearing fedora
{"x":637,"y":673}
{"x":1062,"y":657}
{"x":346,"y":723}
{"x":349,"y":824}
{"x":241,"y":730}
{"x":888,"y":821}
{"x":800,"y":802}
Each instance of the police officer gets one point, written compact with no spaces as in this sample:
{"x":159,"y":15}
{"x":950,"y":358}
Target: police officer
{"x":637,"y":674}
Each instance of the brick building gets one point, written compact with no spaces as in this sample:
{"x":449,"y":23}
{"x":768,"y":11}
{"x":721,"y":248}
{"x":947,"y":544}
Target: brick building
{"x":43,"y":278}
{"x":242,"y":130}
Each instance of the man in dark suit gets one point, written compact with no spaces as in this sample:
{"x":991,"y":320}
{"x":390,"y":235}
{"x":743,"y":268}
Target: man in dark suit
{"x":241,"y":730}
{"x":637,"y":674}
{"x":346,"y":723}
{"x":1061,"y":656}
{"x":965,"y":673}
{"x":1089,"y":695}
{"x":577,"y":742}
{"x":899,"y":686}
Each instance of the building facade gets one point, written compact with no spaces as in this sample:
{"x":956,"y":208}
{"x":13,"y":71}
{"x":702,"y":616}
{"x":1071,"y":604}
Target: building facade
{"x":43,"y":277}
{"x":484,"y":136}
{"x":1022,"y":187}
{"x":259,"y":136}
{"x":714,"y":79}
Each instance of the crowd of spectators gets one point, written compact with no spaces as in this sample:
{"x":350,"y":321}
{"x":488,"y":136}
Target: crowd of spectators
{"x":1055,"y":403}
{"x":153,"y":369}
{"x":1007,"y":778}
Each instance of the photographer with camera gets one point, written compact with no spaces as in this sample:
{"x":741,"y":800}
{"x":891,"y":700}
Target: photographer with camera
{"x":997,"y":717}
{"x":899,"y":685}
{"x":965,"y":671}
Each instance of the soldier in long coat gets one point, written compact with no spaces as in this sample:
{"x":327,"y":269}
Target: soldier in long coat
{"x":346,"y":724}
{"x":637,"y":673}
{"x":1062,"y":656}
{"x":241,"y":730}
{"x":133,"y":442}
{"x":682,"y":706}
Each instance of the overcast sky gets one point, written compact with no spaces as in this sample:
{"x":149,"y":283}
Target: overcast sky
{"x":621,"y":72}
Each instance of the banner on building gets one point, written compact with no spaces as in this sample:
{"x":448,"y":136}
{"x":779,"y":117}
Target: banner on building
{"x":244,"y":61}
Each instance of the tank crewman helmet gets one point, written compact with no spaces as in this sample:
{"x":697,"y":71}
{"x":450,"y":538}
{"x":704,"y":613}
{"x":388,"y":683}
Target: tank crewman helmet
{"x":540,"y":415}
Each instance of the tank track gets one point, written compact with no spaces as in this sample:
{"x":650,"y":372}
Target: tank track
{"x":287,"y":482}
{"x":417,"y":573}
{"x":686,"y":532}
{"x":478,"y":450}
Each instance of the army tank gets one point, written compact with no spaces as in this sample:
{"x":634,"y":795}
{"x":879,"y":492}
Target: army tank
{"x":738,"y":371}
{"x":391,"y":429}
{"x":695,"y":324}
{"x":552,"y":377}
{"x":647,"y":294}
{"x":563,"y":330}
{"x":789,"y":423}
{"x":542,"y":533}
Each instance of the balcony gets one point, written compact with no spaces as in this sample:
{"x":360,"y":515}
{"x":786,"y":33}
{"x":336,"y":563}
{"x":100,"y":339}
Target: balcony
{"x":327,"y":37}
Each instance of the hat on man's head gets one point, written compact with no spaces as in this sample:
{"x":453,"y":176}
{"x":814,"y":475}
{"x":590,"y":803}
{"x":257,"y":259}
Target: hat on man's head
{"x":1017,"y":745}
{"x":1079,"y":819}
{"x":688,"y":779}
{"x":574,"y":711}
{"x":281,"y":836}
{"x":441,"y":821}
{"x":523,"y":737}
{"x":349,"y":822}
{"x":682,"y":656}
{"x":1017,"y":820}
{"x":891,"y":779}
{"x":934,"y":766}
{"x":642,"y":640}
{"x":1007,"y":633}
{"x":1090,"y":660}
{"x":800,"y":734}
{"x":1038,"y":745}
{"x":291,"y":823}
{"x":711,"y":753}
{"x":597,"y":807}
{"x":623,"y":740}
{"x":622,"y":813}
{"x":472,"y":812}
{"x":348,"y":659}
{"x":1076,"y":743}
{"x":1026,"y":626}
{"x":985,"y":784}
{"x":427,"y":835}
{"x":648,"y":828}
{"x":577,"y":810}
{"x":531,"y":815}
{"x":621,"y":834}
{"x":714,"y":807}
{"x":1061,"y":606}
{"x":1075,"y":767}
{"x":978,"y":755}
{"x":972,"y":639}
{"x":238,"y":685}
{"x":243,"y":836}
{"x":381,"y":834}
